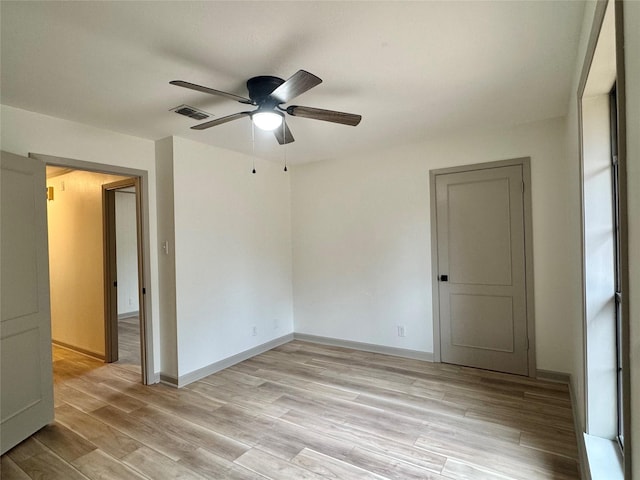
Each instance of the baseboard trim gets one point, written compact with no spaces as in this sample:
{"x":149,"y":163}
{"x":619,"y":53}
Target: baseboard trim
{"x":551,"y":376}
{"x":83,"y":351}
{"x":168,"y":380}
{"x":199,"y":374}
{"x":366,"y":347}
{"x":122,"y":316}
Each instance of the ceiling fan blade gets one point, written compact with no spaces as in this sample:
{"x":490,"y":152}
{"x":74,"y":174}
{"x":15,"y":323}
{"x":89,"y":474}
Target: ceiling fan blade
{"x":325,"y":115}
{"x":283,"y":134}
{"x":297,"y":84}
{"x":220,"y":121}
{"x":211,"y":91}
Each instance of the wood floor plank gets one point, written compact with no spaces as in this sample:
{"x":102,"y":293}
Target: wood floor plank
{"x":98,"y":464}
{"x":50,"y":466}
{"x":118,"y":372}
{"x":388,"y":466}
{"x":69,"y":395}
{"x":153,"y":436}
{"x":162,"y":396}
{"x":519,"y":419}
{"x":10,"y":471}
{"x":463,"y":471}
{"x":273,"y":467}
{"x":500,"y":459}
{"x":519,"y":404}
{"x":207,"y":464}
{"x":152,"y":464}
{"x":25,"y":450}
{"x":549,"y":443}
{"x":564,"y":401}
{"x":105,"y":394}
{"x":67,"y":444}
{"x":228,"y":377}
{"x":370,"y":440}
{"x":195,"y":434}
{"x":251,"y":398}
{"x":329,"y":467}
{"x":425,"y":414}
{"x":107,"y":438}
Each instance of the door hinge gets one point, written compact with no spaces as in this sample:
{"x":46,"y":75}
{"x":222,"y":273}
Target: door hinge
{"x":523,"y":187}
{"x":527,"y":343}
{"x":144,"y":291}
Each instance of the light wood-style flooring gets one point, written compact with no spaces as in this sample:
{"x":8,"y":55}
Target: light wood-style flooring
{"x":129,"y":341}
{"x":301,"y":411}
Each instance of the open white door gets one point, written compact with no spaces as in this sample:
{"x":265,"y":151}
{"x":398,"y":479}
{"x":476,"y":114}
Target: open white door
{"x":26,"y":381}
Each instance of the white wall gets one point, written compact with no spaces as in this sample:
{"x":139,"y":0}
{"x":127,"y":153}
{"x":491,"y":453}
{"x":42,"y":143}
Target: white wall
{"x":166,"y":258}
{"x":23,"y":132}
{"x":232,"y":253}
{"x":126,"y":252}
{"x":361,"y":239}
{"x":632,"y":66}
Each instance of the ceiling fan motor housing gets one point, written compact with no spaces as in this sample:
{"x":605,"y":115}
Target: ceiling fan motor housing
{"x":261,"y":87}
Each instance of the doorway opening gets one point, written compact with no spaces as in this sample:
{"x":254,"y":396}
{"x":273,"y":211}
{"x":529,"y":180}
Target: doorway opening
{"x":122,"y":241}
{"x":84,"y":311}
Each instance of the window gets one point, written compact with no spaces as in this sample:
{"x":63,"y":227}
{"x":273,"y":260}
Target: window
{"x":615,"y":190}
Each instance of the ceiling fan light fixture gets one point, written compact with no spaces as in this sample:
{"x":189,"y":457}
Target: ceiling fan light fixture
{"x":267,"y":120}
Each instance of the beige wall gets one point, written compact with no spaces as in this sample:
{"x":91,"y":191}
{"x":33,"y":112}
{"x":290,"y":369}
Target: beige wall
{"x":76,"y":260}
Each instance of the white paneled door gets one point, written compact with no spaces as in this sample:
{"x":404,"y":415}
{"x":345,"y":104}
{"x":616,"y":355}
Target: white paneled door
{"x":26,"y":383}
{"x":481,"y":269}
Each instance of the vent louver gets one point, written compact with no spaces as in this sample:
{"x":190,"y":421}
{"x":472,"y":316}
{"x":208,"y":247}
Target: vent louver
{"x":191,"y":112}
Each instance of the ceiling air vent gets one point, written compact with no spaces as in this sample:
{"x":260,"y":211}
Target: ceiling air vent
{"x":191,"y":112}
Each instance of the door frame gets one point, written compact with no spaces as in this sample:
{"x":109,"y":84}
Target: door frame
{"x":144,"y":268}
{"x":525,"y":163}
{"x":110,"y":268}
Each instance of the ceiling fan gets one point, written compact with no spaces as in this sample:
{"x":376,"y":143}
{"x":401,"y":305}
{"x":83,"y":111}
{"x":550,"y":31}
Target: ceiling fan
{"x":268,"y":94}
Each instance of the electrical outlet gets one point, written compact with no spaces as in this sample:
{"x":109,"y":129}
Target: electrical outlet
{"x":401,"y":331}
{"x":254,"y":331}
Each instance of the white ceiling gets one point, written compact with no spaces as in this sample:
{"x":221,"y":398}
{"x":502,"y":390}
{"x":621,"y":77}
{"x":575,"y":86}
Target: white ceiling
{"x":411,"y":69}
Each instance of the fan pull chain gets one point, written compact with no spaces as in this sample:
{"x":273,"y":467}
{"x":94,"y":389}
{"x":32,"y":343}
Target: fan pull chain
{"x":253,"y":147}
{"x":284,"y":135}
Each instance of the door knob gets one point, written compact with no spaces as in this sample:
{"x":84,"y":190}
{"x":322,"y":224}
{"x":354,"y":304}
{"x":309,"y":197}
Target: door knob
{"x":444,"y":278}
